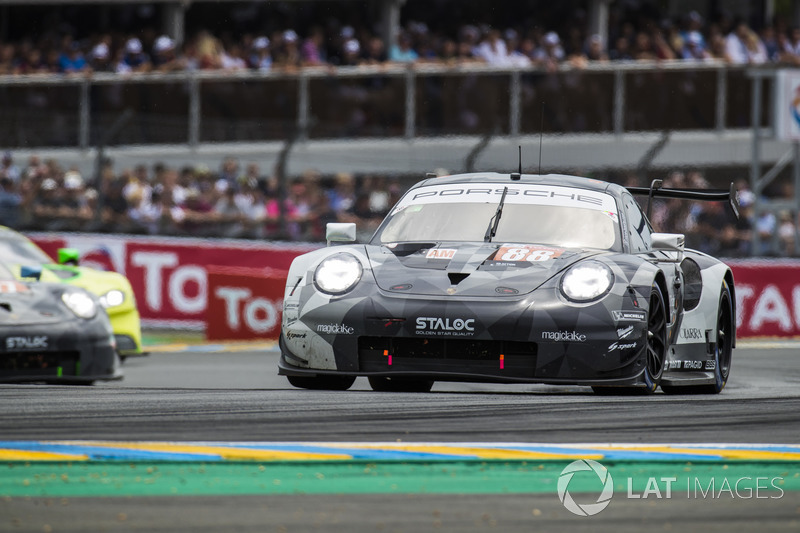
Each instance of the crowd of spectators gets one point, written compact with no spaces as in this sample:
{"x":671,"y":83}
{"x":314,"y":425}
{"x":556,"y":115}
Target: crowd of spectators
{"x":234,"y":201}
{"x":688,"y":38}
{"x":239,"y":201}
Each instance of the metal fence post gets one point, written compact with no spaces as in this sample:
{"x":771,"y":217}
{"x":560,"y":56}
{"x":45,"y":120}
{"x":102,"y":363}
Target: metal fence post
{"x":84,"y":115}
{"x":194,"y":110}
{"x":302,"y":106}
{"x":755,"y":163}
{"x":619,"y":102}
{"x":722,"y":99}
{"x":514,"y":107}
{"x":411,"y":102}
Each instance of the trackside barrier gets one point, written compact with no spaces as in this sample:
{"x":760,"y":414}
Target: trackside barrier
{"x":176,"y":281}
{"x":767,"y":297}
{"x":169,"y":275}
{"x":244,"y":303}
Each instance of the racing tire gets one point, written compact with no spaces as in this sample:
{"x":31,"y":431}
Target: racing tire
{"x":322,"y":382}
{"x":655,"y":349}
{"x":388,"y":384}
{"x":723,"y":350}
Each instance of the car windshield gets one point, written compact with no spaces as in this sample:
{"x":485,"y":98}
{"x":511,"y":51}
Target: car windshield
{"x":562,"y":216}
{"x":17,"y":250}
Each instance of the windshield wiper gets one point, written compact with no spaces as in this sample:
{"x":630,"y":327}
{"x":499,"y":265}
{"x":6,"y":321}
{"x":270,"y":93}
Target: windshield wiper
{"x":491,"y":231}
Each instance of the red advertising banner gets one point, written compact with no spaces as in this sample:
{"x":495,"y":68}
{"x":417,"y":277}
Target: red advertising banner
{"x":767,"y":297}
{"x":244,"y":303}
{"x":169,"y":276}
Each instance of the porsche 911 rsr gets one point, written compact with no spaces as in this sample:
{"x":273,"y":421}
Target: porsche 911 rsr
{"x":54,"y":333}
{"x":512,"y":278}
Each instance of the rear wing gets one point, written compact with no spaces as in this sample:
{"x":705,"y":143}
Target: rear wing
{"x":708,"y":195}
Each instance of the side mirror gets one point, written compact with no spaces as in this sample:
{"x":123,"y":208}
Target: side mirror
{"x":669,"y":242}
{"x":31,"y":272}
{"x":340,"y":232}
{"x":68,"y":256}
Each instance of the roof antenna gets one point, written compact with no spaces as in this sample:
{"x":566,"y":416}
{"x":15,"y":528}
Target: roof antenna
{"x":541,"y":130}
{"x":515,"y":176}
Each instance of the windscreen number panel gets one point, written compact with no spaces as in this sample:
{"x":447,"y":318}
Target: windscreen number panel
{"x":534,"y":254}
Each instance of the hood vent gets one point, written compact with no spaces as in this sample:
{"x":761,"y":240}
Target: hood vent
{"x":456,"y":277}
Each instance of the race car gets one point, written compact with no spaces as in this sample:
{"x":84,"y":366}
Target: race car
{"x":113,"y":289}
{"x":54,"y":333}
{"x":517,"y":278}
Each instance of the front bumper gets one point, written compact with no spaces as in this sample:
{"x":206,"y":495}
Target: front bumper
{"x":538,"y":338}
{"x":69,"y":355}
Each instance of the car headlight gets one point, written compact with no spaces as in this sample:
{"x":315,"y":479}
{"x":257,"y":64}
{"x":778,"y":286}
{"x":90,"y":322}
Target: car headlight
{"x":587,"y":281}
{"x":338,"y":273}
{"x":79,"y":303}
{"x":112,"y":298}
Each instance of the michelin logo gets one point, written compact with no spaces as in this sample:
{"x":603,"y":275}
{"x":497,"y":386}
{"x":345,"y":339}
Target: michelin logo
{"x":629,"y":316}
{"x":26,"y":343}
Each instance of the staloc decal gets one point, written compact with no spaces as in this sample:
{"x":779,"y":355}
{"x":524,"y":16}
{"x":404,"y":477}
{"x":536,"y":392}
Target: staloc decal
{"x":439,"y":326}
{"x":27,"y":343}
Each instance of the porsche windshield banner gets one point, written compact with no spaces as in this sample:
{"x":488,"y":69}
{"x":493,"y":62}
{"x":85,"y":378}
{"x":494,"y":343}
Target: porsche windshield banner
{"x":517,"y":194}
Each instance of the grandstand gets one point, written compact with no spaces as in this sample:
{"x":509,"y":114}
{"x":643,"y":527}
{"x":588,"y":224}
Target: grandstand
{"x":328,"y":85}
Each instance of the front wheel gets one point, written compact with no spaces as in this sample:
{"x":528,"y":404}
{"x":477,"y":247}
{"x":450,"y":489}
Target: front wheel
{"x":322,"y":382}
{"x":655,"y":342}
{"x":656,"y":339}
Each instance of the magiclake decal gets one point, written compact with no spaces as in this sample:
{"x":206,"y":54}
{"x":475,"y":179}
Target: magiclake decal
{"x":27,"y":343}
{"x":571,"y":336}
{"x":335,"y":329}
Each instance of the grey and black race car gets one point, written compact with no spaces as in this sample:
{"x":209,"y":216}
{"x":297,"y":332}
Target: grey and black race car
{"x":492,"y":277}
{"x":54,"y":333}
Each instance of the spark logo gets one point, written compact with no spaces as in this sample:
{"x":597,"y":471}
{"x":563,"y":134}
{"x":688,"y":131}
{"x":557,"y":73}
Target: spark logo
{"x":586,"y":509}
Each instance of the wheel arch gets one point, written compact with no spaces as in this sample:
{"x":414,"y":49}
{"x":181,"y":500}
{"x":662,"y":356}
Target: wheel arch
{"x":661,"y":280}
{"x":729,"y":281}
